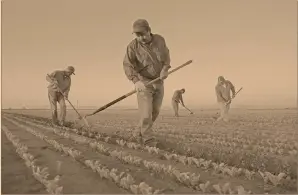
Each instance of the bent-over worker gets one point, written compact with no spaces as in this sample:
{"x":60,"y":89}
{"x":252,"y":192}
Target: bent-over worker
{"x":223,"y":93}
{"x":147,"y":58}
{"x":176,"y":99}
{"x":60,"y":81}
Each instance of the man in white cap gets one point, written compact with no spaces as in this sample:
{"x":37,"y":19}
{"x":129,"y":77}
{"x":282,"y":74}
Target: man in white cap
{"x":223,"y":93}
{"x":177,"y":97}
{"x":147,"y":57}
{"x":58,"y":89}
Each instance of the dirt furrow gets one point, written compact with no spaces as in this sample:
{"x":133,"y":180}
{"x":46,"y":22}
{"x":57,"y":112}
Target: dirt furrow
{"x":16,"y":178}
{"x":205,"y":175}
{"x":251,"y":161}
{"x":138,"y":173}
{"x":75,"y":178}
{"x":252,"y":184}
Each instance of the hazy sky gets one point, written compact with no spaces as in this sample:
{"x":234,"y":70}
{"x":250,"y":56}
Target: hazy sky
{"x":253,"y":43}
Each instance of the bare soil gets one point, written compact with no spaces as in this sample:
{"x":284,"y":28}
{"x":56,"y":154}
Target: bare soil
{"x":77,"y":179}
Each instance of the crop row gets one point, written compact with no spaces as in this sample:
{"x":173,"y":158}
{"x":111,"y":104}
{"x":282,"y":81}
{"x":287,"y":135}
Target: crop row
{"x":186,"y":178}
{"x":273,"y":145}
{"x":234,"y":156}
{"x":39,"y":173}
{"x":234,"y":139}
{"x":242,"y":128}
{"x":256,"y":148}
{"x":219,"y":168}
{"x":123,"y":179}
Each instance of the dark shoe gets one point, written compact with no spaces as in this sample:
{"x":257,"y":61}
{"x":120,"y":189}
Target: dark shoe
{"x":148,"y":140}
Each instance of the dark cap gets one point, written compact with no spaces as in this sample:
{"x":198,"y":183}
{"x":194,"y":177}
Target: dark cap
{"x":221,"y":78}
{"x":140,"y":25}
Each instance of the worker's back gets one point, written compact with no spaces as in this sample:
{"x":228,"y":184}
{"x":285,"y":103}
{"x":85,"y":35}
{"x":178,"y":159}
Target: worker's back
{"x":177,"y":95}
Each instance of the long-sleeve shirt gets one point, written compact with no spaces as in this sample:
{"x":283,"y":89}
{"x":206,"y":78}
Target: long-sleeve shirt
{"x":223,"y":92}
{"x":145,"y":61}
{"x":64,"y":81}
{"x":177,"y":96}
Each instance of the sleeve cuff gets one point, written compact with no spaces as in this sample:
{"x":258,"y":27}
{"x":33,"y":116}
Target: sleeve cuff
{"x":166,"y":66}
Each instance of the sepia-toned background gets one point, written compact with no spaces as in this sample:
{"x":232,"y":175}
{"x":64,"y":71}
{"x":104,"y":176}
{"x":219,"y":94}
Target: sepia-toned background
{"x":252,"y":43}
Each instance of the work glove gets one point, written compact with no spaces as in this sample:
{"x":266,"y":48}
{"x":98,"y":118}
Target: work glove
{"x":233,"y":95}
{"x":140,"y":86}
{"x":164,"y":73}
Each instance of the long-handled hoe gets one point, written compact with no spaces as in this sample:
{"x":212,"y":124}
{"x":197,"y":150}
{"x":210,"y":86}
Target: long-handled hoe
{"x":229,"y":102}
{"x":190,"y":112}
{"x":134,"y":91}
{"x":80,"y":117}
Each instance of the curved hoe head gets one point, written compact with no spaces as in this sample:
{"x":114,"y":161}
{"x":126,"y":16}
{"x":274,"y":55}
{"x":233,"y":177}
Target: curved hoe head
{"x":81,"y":122}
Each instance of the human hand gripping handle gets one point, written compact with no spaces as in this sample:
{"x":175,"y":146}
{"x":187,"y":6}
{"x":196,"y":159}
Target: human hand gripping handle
{"x":234,"y":95}
{"x":164,"y":73}
{"x":55,"y":82}
{"x":134,"y":91}
{"x":140,"y":86}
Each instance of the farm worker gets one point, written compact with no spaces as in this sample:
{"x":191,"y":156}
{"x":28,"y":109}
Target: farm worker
{"x":223,"y":93}
{"x":177,"y":97}
{"x":59,"y":80}
{"x":147,"y":57}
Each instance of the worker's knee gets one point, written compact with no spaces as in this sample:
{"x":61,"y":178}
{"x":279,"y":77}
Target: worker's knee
{"x":63,"y":106}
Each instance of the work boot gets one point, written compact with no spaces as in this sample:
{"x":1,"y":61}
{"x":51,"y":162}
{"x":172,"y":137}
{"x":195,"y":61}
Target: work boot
{"x":147,"y":139}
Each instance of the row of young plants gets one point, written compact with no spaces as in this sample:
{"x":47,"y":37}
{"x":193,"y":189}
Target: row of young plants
{"x":241,"y":158}
{"x":121,"y":179}
{"x":40,"y":173}
{"x":256,"y":148}
{"x":186,"y":178}
{"x":234,"y":139}
{"x":202,"y":163}
{"x":259,"y":145}
{"x":241,"y":128}
{"x":251,"y":161}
